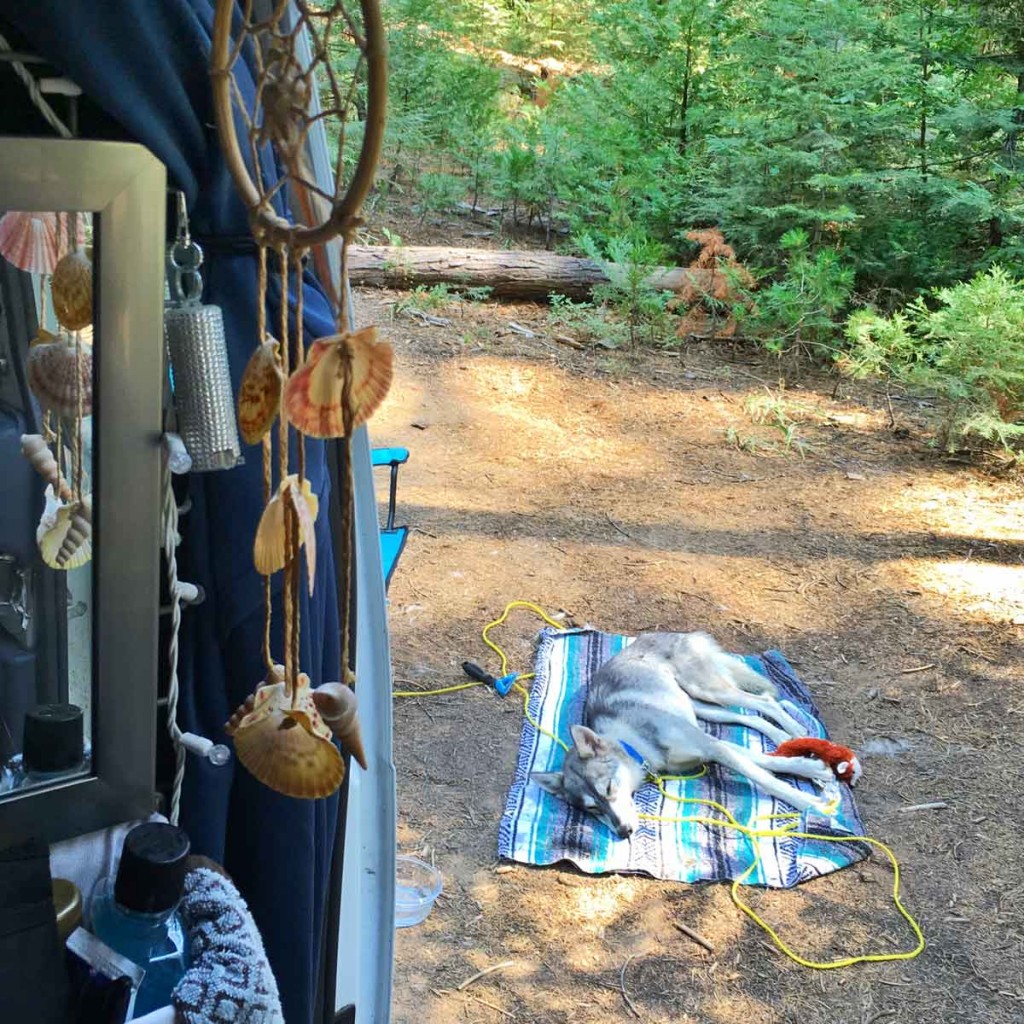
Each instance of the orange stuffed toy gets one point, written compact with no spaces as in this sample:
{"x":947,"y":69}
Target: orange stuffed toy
{"x":842,"y":760}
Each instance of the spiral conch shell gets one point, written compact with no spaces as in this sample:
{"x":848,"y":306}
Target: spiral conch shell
{"x":312,"y":396}
{"x":259,"y":394}
{"x":268,"y":550}
{"x":37,"y":451}
{"x":64,"y":534}
{"x":71,"y":288}
{"x":343,"y":719}
{"x":56,"y":372}
{"x":286,"y":744}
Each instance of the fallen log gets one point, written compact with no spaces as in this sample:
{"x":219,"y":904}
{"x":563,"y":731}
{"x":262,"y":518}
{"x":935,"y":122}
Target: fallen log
{"x":509,"y":275}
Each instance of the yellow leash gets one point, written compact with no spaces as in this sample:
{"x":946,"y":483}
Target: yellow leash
{"x":728,"y":822}
{"x":522,"y":690}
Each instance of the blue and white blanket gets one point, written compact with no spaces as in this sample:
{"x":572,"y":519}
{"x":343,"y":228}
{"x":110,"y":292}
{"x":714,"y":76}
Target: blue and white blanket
{"x":538,"y":828}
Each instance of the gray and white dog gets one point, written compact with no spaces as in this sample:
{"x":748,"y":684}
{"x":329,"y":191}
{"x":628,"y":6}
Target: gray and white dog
{"x":643,"y":713}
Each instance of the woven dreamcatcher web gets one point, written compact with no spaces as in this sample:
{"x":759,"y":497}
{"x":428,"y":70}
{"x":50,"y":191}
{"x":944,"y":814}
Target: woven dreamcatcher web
{"x":266,"y":69}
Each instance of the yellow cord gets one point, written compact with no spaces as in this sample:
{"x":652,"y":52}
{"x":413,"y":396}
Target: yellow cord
{"x":436,"y":693}
{"x":729,"y":822}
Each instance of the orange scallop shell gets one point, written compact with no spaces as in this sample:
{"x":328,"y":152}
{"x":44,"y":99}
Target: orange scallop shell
{"x":71,"y":288}
{"x":268,"y":550}
{"x":312,"y":396}
{"x":29,"y":241}
{"x":54,"y":374}
{"x":286,"y":744}
{"x":259,"y":394}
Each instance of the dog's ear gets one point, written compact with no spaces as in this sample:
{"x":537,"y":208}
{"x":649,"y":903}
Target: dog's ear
{"x":588,"y":743}
{"x":553,"y":782}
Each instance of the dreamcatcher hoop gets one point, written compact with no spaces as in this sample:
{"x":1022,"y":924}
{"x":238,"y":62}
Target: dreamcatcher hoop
{"x":283,"y":88}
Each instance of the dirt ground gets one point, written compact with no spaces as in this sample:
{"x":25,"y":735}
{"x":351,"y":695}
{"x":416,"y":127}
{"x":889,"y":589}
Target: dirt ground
{"x":636,"y":492}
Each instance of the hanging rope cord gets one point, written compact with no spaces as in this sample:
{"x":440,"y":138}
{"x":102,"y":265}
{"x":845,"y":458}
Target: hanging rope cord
{"x":751,"y":831}
{"x":35,"y":93}
{"x":170,"y":544}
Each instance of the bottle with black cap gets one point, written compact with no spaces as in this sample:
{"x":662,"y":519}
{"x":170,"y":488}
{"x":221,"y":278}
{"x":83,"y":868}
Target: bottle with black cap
{"x":53,"y":746}
{"x":136,"y":915}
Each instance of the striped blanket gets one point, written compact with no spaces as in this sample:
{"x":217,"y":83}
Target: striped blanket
{"x":538,"y":828}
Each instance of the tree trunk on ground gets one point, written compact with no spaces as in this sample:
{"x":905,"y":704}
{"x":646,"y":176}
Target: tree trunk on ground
{"x":509,"y":275}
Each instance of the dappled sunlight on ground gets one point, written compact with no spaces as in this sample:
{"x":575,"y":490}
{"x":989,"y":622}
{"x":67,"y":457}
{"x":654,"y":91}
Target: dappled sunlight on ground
{"x":619,"y":496}
{"x":976,"y":590}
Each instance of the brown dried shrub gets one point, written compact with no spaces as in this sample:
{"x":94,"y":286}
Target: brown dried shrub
{"x":716,"y":277}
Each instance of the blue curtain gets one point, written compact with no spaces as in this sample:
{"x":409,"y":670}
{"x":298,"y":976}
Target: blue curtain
{"x":145,"y":63}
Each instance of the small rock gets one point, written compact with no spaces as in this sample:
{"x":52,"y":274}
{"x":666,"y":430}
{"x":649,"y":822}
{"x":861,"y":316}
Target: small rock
{"x":872,"y":693}
{"x":419,"y":426}
{"x":855,"y":476}
{"x":504,"y":869}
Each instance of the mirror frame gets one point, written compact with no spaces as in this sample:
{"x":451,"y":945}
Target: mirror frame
{"x":124,"y":185}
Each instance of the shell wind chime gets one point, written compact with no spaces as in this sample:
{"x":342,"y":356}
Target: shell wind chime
{"x":59,"y":368}
{"x":284,"y":733}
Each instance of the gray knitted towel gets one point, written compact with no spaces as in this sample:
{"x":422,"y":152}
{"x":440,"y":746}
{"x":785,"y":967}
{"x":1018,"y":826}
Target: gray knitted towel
{"x":229,"y":980}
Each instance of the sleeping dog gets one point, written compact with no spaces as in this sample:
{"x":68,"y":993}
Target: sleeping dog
{"x":642,"y":717}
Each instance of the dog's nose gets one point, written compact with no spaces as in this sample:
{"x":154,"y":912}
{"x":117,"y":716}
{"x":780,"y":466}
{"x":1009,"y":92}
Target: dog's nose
{"x":625,"y":831}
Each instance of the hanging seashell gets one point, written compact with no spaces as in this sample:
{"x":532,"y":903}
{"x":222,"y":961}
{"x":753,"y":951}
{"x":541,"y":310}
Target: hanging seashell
{"x":339,"y":709}
{"x":268,"y":549}
{"x":71,"y":288}
{"x":64,"y":534}
{"x":259,"y":394}
{"x":312,"y":396}
{"x":29,"y":241}
{"x":54,"y":366}
{"x":38,"y":453}
{"x":286,"y":745}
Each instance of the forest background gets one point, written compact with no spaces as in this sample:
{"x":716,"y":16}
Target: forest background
{"x":850,"y":170}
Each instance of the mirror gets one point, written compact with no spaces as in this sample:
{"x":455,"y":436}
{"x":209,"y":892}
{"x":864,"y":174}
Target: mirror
{"x":81,"y":633}
{"x":47,"y":535}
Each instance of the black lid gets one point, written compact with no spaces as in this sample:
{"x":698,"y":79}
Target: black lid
{"x":52,"y":740}
{"x":151,"y":875}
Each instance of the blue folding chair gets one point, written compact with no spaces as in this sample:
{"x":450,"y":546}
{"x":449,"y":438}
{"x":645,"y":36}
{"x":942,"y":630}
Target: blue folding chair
{"x":392,"y":538}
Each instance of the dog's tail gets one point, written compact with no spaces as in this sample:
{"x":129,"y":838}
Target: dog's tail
{"x":734,"y":668}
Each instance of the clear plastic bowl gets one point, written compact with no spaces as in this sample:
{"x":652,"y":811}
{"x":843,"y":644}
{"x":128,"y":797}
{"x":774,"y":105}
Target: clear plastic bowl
{"x":417,"y":885}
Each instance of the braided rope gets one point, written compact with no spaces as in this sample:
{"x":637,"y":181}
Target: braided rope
{"x":261,"y":336}
{"x":35,"y":94}
{"x":170,"y":543}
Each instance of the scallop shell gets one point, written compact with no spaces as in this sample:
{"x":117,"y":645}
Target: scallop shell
{"x":64,"y":534}
{"x":29,"y":241}
{"x":344,"y":723}
{"x":268,"y":550}
{"x":259,"y":394}
{"x":286,"y":744}
{"x":53,"y":369}
{"x":71,"y":288}
{"x":312,"y":396}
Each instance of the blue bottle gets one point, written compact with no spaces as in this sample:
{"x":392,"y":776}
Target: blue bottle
{"x":137,"y":916}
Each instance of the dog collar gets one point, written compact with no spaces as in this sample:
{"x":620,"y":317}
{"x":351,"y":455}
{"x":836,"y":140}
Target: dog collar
{"x":636,"y":756}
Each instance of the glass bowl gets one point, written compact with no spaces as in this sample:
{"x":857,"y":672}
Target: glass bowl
{"x":417,"y":885}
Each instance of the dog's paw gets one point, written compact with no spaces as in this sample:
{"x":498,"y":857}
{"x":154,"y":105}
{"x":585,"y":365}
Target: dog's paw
{"x":817,"y":771}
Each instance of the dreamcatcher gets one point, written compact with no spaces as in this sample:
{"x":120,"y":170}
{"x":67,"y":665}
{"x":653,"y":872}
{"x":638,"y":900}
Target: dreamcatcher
{"x":59,"y":372}
{"x":334,"y":387}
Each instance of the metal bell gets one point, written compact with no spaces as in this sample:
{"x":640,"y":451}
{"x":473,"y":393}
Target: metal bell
{"x":200,"y":377}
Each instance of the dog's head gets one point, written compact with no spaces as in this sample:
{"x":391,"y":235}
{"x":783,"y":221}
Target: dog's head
{"x":596,"y":779}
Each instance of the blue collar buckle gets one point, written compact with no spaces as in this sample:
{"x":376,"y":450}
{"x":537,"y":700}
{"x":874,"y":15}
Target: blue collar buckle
{"x":638,"y":757}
